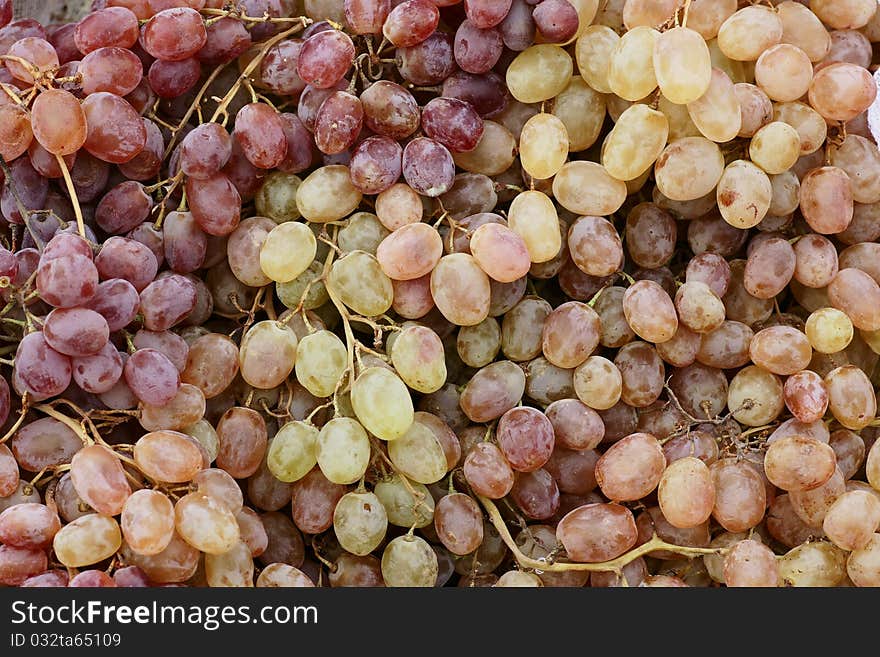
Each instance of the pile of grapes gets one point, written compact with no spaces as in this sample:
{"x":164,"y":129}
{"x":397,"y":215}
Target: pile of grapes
{"x":432,"y":292}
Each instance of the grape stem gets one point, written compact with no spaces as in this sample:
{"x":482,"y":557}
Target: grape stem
{"x":614,"y":565}
{"x":22,"y":412}
{"x":74,"y":199}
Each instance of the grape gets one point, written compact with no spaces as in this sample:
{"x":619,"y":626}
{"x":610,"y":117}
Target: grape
{"x":584,"y":541}
{"x":638,"y":124}
{"x":40,"y":370}
{"x":740,"y":496}
{"x":750,"y":563}
{"x":410,"y":252}
{"x":147,"y":522}
{"x":796,"y":463}
{"x":205,"y":523}
{"x":111,"y":27}
{"x":87,"y":540}
{"x":324,"y":58}
{"x":260,"y":133}
{"x":116,"y":132}
{"x":215,"y":204}
{"x":174,"y":34}
{"x":631,"y":468}
{"x":477,"y":50}
{"x":852,"y":520}
{"x":538,"y":73}
{"x":152,"y":377}
{"x":376,"y":164}
{"x":390,"y":110}
{"x":224,"y":41}
{"x":556,"y":20}
{"x":453,"y":123}
{"x":293,"y":451}
{"x":682,"y":65}
{"x":360,"y":522}
{"x":173,"y":79}
{"x":327,"y":194}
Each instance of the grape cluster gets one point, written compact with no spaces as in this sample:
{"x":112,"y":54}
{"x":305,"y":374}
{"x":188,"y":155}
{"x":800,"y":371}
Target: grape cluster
{"x":431,"y":292}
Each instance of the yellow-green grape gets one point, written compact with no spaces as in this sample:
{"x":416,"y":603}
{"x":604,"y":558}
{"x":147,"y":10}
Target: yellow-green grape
{"x":802,"y":28}
{"x":809,"y":124}
{"x":205,"y":433}
{"x":682,"y":65}
{"x":532,"y":216}
{"x":293,"y":451}
{"x":680,"y":123}
{"x":749,"y":32}
{"x":409,"y":561}
{"x":829,"y":330}
{"x":276,"y":197}
{"x":267,"y":354}
{"x":362,"y":232}
{"x":736,"y":71}
{"x":786,"y":193}
{"x":813,"y":564}
{"x":404,"y":508}
{"x":419,"y":358}
{"x":283,"y":575}
{"x":306,"y":289}
{"x":744,"y":194}
{"x":717,"y":113}
{"x":493,"y":155}
{"x":360,"y":522}
{"x":288,"y":251}
{"x":343,"y":450}
{"x":593,"y":53}
{"x":586,"y":188}
{"x":872,"y":339}
{"x":382,"y":403}
{"x":543,"y":146}
{"x":538,"y":73}
{"x":232,"y":568}
{"x":689,"y":168}
{"x":635,"y":142}
{"x":321,"y":359}
{"x":327,"y":194}
{"x":775,"y":147}
{"x":359,"y":282}
{"x":86,"y":540}
{"x":518,"y":579}
{"x":478,"y":345}
{"x":418,"y":454}
{"x":586,"y":11}
{"x":582,"y":110}
{"x":631,"y":65}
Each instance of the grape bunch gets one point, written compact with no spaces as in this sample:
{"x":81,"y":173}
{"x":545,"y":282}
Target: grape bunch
{"x":511,"y":293}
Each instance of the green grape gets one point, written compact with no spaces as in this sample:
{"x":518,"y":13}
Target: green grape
{"x":403,"y":508}
{"x":418,"y":454}
{"x":359,"y":282}
{"x":409,"y":561}
{"x":307,"y":289}
{"x":419,"y":358}
{"x":320,"y":362}
{"x":362,"y":232}
{"x":276,"y":197}
{"x":288,"y":251}
{"x":382,"y":403}
{"x":360,"y":522}
{"x":343,"y":450}
{"x":293,"y":451}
